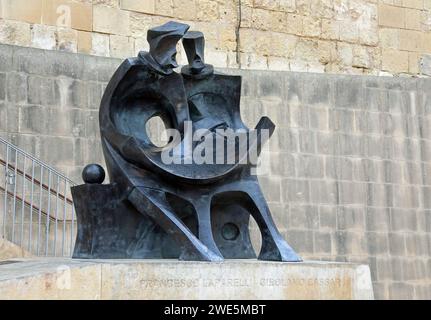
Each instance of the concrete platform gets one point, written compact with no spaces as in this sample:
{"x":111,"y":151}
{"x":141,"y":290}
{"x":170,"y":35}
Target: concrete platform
{"x":168,"y":279}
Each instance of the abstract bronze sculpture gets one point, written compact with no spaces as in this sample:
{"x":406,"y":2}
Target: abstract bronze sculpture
{"x":182,"y":209}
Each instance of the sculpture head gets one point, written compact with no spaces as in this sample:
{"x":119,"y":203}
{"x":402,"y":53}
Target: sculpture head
{"x":194,"y":45}
{"x":163,"y":46}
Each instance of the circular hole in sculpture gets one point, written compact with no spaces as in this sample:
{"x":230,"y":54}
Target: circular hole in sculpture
{"x":230,"y":231}
{"x":156,"y":131}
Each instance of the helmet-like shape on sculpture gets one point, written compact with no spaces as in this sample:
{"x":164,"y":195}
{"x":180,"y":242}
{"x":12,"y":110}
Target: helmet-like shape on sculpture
{"x":194,"y":44}
{"x":163,"y":46}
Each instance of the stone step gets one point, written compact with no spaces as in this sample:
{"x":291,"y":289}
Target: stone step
{"x":8,"y":250}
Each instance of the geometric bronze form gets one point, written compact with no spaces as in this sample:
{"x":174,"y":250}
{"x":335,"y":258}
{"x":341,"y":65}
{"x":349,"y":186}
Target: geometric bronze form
{"x":183,"y":209}
{"x":194,"y":45}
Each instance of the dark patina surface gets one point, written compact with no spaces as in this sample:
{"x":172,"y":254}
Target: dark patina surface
{"x":151,"y":209}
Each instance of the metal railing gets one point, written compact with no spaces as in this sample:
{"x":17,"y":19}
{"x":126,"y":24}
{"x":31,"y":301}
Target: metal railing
{"x":36,"y":207}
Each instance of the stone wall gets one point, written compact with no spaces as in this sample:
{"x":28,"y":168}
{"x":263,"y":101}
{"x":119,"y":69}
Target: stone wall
{"x":336,"y":36}
{"x":350,"y":160}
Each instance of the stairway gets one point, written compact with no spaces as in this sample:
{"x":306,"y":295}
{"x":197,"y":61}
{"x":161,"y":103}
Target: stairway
{"x":36,"y":207}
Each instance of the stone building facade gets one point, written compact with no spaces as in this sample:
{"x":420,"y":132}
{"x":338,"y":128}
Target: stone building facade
{"x":377,"y":37}
{"x":349,"y":175}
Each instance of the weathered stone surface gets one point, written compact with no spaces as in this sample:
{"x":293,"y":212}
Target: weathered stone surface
{"x":391,"y":16}
{"x":40,"y":91}
{"x":110,"y":20}
{"x":395,"y":60}
{"x":320,"y":36}
{"x":85,"y":42}
{"x":67,"y":39}
{"x":155,"y":279}
{"x":145,"y":6}
{"x":47,"y":279}
{"x":16,"y":87}
{"x":121,"y":46}
{"x":22,"y":10}
{"x":69,"y":14}
{"x":8,"y":250}
{"x":425,"y":64}
{"x":43,"y":37}
{"x":2,"y":86}
{"x":15,"y":32}
{"x":100,"y":45}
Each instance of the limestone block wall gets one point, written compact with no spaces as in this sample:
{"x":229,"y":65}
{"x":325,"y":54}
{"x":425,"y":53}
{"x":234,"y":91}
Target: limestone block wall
{"x":337,"y":36}
{"x":349,"y":174}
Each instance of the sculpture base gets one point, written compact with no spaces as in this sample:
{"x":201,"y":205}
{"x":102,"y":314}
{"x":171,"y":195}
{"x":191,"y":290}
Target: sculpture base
{"x":167,"y":279}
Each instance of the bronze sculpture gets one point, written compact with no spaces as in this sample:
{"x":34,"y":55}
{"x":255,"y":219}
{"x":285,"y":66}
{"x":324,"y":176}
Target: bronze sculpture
{"x":182,"y":209}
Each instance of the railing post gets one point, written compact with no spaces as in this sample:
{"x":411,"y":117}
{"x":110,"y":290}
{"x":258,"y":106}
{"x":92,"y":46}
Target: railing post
{"x":31,"y":208}
{"x":6,"y":173}
{"x":39,"y":223}
{"x":23,"y":201}
{"x":56,"y":215}
{"x":14,"y":196}
{"x":48,"y":213}
{"x":64,"y":217}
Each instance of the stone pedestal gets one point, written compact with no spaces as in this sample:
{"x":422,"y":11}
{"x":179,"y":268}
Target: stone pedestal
{"x":167,"y":279}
